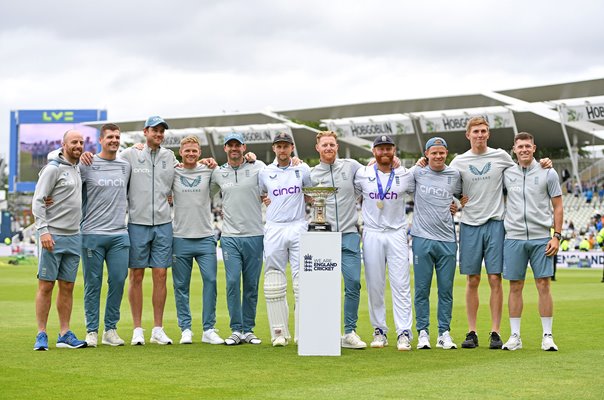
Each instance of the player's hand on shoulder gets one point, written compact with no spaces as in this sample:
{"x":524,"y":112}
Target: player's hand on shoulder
{"x":396,"y":162}
{"x":139,"y":146}
{"x":86,"y":158}
{"x":422,"y":162}
{"x":250,"y":157}
{"x":209,"y":162}
{"x":296,"y":161}
{"x":546,"y":163}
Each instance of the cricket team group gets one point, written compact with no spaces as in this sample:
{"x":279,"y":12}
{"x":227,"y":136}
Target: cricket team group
{"x":511,"y":214}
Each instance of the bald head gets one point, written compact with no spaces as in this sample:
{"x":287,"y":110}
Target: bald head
{"x":73,"y":145}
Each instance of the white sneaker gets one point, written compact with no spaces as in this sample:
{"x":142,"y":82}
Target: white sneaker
{"x":138,"y":337}
{"x":403,"y":343}
{"x":280,"y":341}
{"x":158,"y":336}
{"x":250,"y":338}
{"x":513,"y":343}
{"x":111,"y":338}
{"x":353,"y":341}
{"x":547,"y":343}
{"x":210,"y":336}
{"x":234,"y":339}
{"x":92,"y":338}
{"x":186,"y":337}
{"x":423,"y":341}
{"x":379,"y":339}
{"x":445,"y":341}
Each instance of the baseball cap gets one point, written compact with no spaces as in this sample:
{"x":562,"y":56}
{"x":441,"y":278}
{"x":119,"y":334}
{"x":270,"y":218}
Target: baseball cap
{"x":234,"y":136}
{"x":383,"y":140}
{"x":436,"y":141}
{"x":156,"y":120}
{"x":283,"y":137}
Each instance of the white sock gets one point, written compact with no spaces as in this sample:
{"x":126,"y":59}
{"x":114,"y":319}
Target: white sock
{"x":546,"y":323}
{"x":515,"y":326}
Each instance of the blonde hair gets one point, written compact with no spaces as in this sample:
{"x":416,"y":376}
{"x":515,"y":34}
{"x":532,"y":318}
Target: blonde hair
{"x":326,"y":134}
{"x":190,"y":139}
{"x":479,"y":120}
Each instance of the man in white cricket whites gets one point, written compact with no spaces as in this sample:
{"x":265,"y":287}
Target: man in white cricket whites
{"x":193,"y":239}
{"x":342,"y":216}
{"x":434,"y":241}
{"x":150,"y":226}
{"x":58,"y":228}
{"x":528,"y":220}
{"x":242,"y":237}
{"x":105,"y":235}
{"x":282,"y":182}
{"x":385,"y":241}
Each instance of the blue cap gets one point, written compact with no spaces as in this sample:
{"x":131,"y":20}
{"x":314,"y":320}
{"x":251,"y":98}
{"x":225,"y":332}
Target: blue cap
{"x":436,"y":141}
{"x":383,"y":139}
{"x":156,"y":120}
{"x":234,"y":136}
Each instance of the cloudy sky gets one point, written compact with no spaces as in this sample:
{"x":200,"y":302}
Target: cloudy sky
{"x":198,"y":57}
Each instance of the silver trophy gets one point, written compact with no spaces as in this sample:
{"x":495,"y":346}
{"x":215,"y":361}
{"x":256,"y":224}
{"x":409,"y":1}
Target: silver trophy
{"x":319,"y":194}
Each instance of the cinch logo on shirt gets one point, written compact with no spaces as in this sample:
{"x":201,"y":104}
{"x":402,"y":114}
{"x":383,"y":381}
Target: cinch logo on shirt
{"x":119,"y":182}
{"x":387,"y":196}
{"x":141,"y":170}
{"x":70,"y":182}
{"x":435,"y":191}
{"x":289,"y":190}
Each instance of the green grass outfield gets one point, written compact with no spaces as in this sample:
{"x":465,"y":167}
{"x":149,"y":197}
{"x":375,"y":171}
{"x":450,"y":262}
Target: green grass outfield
{"x":262,"y":372}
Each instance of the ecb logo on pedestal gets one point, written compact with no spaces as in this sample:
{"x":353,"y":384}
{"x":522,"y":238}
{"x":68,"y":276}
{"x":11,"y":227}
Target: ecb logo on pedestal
{"x":308,"y":263}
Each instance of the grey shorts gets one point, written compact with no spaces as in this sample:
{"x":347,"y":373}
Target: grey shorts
{"x":518,"y":253}
{"x":150,"y":246}
{"x":61,"y":263}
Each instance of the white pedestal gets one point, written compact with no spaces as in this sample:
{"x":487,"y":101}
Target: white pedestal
{"x":320,"y":294}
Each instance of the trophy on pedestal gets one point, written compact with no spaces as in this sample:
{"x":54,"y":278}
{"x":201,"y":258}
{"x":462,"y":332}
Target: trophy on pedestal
{"x":319,"y":194}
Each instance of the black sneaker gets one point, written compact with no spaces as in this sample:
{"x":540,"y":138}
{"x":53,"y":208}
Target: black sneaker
{"x":495,"y":341}
{"x":471,"y":341}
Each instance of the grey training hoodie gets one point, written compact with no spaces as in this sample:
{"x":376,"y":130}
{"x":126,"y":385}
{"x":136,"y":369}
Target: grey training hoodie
{"x":60,"y":180}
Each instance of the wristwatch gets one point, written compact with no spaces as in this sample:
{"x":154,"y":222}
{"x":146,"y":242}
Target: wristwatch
{"x":557,"y":235}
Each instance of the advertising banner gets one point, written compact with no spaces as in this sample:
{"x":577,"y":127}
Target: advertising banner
{"x":35,"y":133}
{"x":263,"y":133}
{"x":583,"y":112}
{"x":391,"y":125}
{"x":450,"y":121}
